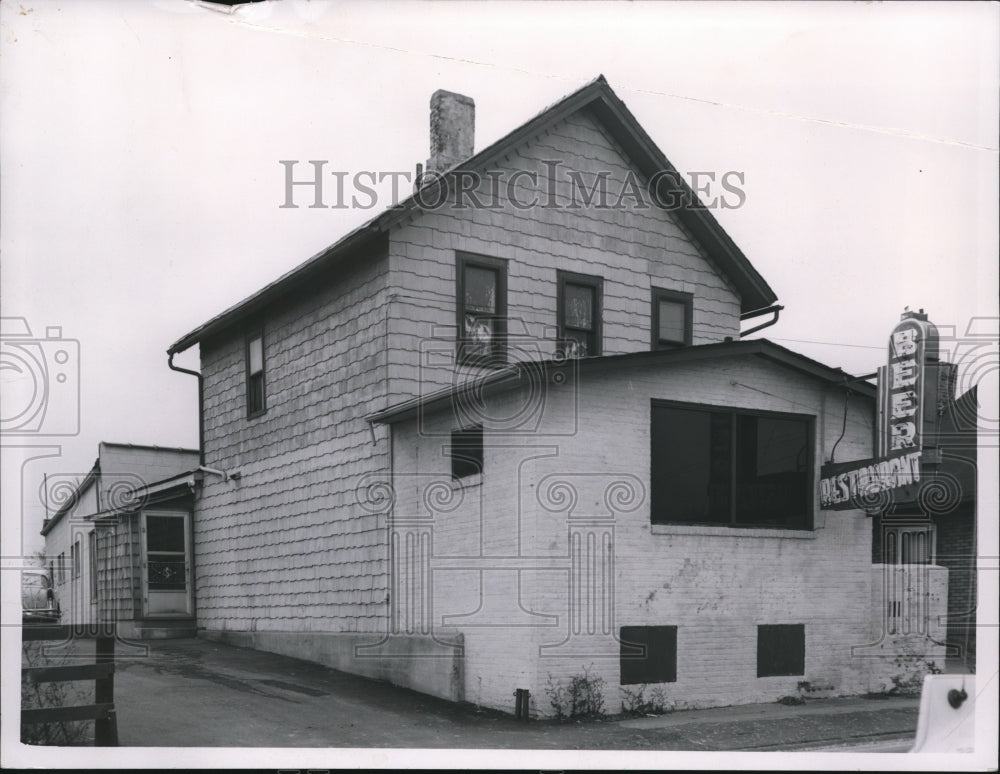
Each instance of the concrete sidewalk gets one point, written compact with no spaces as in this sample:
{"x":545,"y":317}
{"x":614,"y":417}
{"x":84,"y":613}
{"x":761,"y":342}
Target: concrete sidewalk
{"x":197,"y":693}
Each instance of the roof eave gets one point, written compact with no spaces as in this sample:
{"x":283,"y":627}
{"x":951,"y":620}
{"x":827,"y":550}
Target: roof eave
{"x":343,"y":248}
{"x":513,"y":375}
{"x":84,"y":485}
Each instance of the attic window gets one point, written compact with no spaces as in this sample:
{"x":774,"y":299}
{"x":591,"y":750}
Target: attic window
{"x":256,"y":403}
{"x":671,"y":317}
{"x":579,"y":311}
{"x":481,"y":306}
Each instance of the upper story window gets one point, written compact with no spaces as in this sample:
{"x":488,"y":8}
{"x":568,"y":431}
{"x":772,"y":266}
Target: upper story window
{"x":466,"y":452}
{"x":74,"y":553}
{"x":481,"y":305}
{"x":579,"y":312}
{"x":730,"y":468}
{"x":256,"y":399}
{"x":671,"y":319}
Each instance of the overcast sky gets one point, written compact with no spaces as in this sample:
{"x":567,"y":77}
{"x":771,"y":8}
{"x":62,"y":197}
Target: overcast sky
{"x":141,"y":185}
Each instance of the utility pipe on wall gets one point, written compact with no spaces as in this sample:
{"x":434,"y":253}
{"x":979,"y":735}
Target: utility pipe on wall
{"x":201,"y":404}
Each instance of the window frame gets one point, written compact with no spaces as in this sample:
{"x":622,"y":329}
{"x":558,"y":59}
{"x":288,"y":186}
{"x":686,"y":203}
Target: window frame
{"x":74,"y":558}
{"x":596,"y":283}
{"x":251,"y":336}
{"x":675,"y":296}
{"x":474,"y":431}
{"x":498,"y":351}
{"x":808,"y":524}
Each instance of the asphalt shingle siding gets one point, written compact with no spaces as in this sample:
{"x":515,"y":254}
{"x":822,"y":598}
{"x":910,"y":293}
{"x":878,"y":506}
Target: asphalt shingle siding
{"x":633,"y":249}
{"x":286,"y":547}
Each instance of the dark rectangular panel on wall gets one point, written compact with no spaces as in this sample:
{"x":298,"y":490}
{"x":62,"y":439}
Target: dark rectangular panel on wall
{"x":648,"y":654}
{"x":781,"y":650}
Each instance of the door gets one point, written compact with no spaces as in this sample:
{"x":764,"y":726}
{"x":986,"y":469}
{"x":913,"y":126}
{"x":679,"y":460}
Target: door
{"x":166,"y":564}
{"x":908,"y":552}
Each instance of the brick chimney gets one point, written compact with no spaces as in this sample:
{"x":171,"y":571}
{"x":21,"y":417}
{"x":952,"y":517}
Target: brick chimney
{"x":453,"y":129}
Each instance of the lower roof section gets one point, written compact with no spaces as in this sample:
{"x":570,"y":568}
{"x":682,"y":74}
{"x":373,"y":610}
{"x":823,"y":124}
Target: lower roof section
{"x":515,"y":374}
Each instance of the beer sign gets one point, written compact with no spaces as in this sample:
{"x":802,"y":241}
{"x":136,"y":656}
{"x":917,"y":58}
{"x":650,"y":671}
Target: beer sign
{"x":909,"y":387}
{"x":903,"y":400}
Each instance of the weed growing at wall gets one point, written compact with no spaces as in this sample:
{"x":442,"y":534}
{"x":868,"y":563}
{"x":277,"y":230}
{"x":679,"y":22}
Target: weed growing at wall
{"x":581,"y":697}
{"x":636,"y":701}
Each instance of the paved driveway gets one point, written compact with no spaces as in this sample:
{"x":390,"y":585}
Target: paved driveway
{"x":201,"y":694}
{"x":196,"y":693}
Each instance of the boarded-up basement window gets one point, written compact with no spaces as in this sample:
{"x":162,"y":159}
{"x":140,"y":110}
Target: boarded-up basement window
{"x":781,"y":650}
{"x":648,"y":654}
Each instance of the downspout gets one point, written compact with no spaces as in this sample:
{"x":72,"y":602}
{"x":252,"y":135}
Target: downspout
{"x":201,"y":465}
{"x":775,"y":310}
{"x":201,"y":404}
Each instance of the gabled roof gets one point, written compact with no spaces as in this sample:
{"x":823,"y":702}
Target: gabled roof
{"x":517,"y":374}
{"x":598,"y":97}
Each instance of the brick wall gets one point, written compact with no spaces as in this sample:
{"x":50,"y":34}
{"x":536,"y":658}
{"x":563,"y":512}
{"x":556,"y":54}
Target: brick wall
{"x":528,"y":624}
{"x":956,"y":550}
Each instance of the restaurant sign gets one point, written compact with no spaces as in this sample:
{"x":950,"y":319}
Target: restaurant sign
{"x":907,"y":411}
{"x":850,"y":485}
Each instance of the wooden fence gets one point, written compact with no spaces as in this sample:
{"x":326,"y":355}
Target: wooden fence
{"x":102,"y":672}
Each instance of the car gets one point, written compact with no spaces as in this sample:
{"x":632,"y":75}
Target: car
{"x":38,"y":599}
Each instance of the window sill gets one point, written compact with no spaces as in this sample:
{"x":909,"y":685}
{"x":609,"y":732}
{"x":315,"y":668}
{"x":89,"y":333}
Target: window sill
{"x":742,"y":532}
{"x":467,"y":482}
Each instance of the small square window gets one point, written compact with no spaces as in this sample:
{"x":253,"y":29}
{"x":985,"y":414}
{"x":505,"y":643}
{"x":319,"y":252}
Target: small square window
{"x":781,"y":650}
{"x":671,"y":319}
{"x":466,"y":452}
{"x":579,"y":314}
{"x":648,"y":654}
{"x":256,"y":399}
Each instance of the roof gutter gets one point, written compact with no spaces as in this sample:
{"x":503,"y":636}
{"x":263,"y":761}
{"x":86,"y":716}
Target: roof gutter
{"x":201,"y":403}
{"x":775,"y":309}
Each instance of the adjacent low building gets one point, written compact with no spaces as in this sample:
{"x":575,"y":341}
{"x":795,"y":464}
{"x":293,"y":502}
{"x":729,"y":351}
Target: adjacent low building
{"x":119,"y":544}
